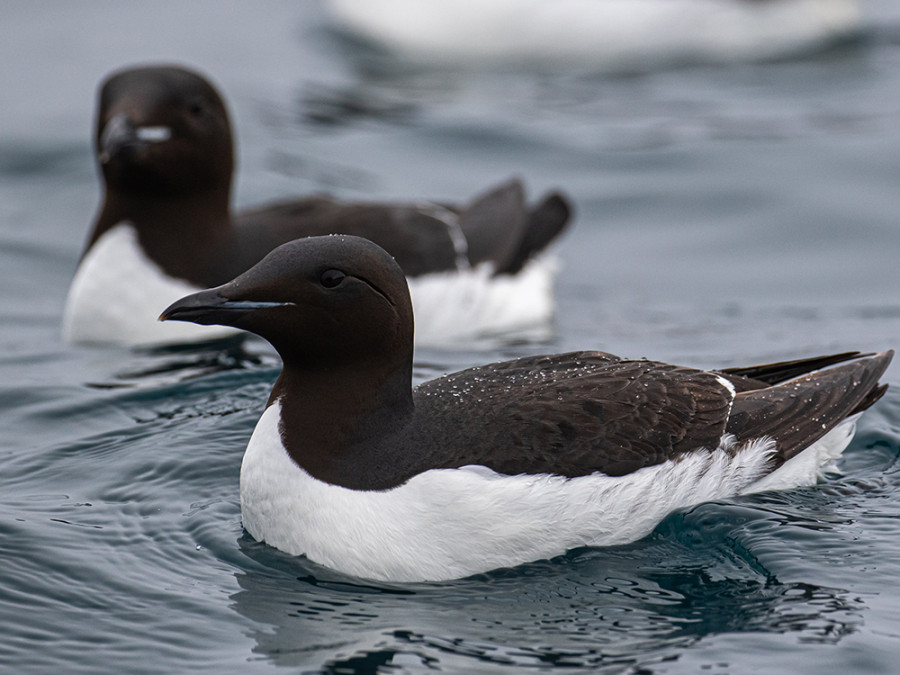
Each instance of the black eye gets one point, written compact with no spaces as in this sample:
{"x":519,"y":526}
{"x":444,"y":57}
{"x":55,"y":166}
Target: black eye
{"x":196,"y":109}
{"x":331,"y":278}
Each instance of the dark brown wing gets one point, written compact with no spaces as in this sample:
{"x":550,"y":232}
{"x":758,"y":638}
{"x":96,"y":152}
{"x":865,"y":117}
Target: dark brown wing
{"x":545,"y":222}
{"x":419,"y":242}
{"x":500,"y":228}
{"x":497,"y":225}
{"x":494,"y":223}
{"x":573,"y":414}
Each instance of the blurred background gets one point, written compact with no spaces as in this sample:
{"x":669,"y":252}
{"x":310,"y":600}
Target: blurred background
{"x":706,"y":188}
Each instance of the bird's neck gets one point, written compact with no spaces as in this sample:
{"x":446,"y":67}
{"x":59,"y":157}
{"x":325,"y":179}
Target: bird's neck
{"x":346,"y":427}
{"x":185,"y":234}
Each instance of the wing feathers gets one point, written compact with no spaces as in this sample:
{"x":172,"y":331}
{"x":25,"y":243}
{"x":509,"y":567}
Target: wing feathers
{"x":584,"y":412}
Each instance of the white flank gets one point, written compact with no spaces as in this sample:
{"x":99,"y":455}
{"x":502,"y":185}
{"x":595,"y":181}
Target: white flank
{"x":471,"y":303}
{"x":118,"y":293}
{"x":450,"y":523}
{"x":596,"y":33}
{"x":809,"y":466}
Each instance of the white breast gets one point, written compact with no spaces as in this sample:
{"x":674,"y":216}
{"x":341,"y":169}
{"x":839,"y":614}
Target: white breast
{"x":451,"y":523}
{"x":596,"y":33}
{"x":118,"y":293}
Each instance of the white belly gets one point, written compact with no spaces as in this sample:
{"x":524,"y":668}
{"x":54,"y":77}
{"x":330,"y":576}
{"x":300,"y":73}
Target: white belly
{"x":118,"y":293}
{"x":451,"y":523}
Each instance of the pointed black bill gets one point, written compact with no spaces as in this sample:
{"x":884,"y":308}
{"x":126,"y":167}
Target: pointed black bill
{"x":212,"y":308}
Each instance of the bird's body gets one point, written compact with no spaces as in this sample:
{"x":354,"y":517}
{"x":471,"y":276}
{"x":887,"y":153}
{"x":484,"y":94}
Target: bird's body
{"x":499,"y":464}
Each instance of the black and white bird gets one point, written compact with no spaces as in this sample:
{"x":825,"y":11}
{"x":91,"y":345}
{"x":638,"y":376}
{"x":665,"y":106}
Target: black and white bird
{"x":500,"y":464}
{"x":165,"y":227}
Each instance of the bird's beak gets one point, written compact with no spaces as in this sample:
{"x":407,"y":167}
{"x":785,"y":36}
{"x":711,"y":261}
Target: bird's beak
{"x":211,"y":307}
{"x":120,"y":132}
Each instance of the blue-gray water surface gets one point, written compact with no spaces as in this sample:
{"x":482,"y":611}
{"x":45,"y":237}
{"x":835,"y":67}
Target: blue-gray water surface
{"x":725,"y":216}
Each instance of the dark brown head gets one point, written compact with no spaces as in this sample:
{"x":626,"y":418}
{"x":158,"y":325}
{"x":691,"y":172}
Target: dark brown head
{"x":324,"y":303}
{"x":163,"y":130}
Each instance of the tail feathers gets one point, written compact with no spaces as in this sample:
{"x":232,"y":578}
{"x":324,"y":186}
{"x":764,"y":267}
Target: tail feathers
{"x":493,"y":224}
{"x":799,"y":412}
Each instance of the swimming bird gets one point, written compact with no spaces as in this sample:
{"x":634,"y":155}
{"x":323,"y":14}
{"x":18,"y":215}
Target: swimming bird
{"x":500,"y":464}
{"x":595,"y":34}
{"x":164,"y":228}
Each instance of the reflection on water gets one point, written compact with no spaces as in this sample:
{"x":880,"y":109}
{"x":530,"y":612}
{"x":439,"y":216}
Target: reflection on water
{"x":156,"y":366}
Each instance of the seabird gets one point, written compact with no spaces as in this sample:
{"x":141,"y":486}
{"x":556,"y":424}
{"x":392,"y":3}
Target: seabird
{"x":499,"y":464}
{"x":165,"y":228}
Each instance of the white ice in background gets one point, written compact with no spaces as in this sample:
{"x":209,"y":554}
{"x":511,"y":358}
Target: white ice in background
{"x":596,"y":33}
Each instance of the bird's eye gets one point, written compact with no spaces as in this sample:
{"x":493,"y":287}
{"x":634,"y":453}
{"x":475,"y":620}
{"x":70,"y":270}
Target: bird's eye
{"x":331,"y":278}
{"x":196,"y":109}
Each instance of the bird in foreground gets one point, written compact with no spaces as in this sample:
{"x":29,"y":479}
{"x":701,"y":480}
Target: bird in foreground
{"x":165,"y":228}
{"x":500,"y":464}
